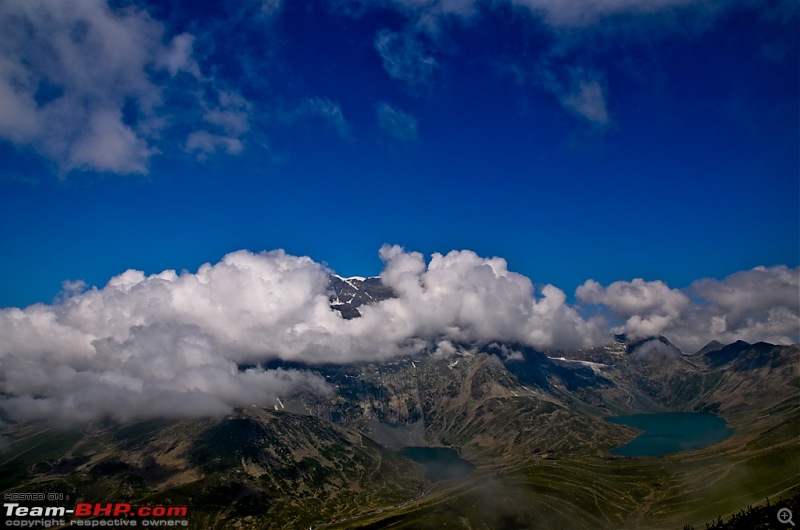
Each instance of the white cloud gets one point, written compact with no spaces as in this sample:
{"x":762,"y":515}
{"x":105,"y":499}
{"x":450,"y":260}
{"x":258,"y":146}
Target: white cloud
{"x":758,"y":289}
{"x":757,"y":305}
{"x":164,"y":345}
{"x":398,"y":124}
{"x":204,"y":143}
{"x":229,"y":119}
{"x":584,"y":12}
{"x":107,"y":144}
{"x":177,"y":340}
{"x":178,"y":56}
{"x":172,"y":344}
{"x":650,"y":308}
{"x":635,"y":297}
{"x":88,"y":61}
{"x":85,"y":85}
{"x":579,"y":90}
{"x":19,"y":120}
{"x":231,"y":114}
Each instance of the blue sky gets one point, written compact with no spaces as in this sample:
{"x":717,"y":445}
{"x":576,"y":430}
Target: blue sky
{"x":607,"y":140}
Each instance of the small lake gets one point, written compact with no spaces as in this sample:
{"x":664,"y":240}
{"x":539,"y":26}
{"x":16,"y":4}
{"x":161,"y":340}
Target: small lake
{"x":441,"y":463}
{"x":671,"y":432}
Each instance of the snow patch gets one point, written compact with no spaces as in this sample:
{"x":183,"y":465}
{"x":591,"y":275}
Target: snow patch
{"x":596,"y":367}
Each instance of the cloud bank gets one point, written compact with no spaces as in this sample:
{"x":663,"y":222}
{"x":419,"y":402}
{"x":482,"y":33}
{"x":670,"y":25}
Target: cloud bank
{"x":761,"y":304}
{"x":174,"y":344}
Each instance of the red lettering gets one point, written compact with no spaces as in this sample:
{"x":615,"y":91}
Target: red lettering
{"x":121,"y":508}
{"x":100,"y":510}
{"x":83,"y":509}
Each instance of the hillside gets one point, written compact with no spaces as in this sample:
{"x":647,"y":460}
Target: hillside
{"x":532,"y":422}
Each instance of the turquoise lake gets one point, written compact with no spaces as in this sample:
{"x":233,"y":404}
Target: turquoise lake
{"x":671,"y":432}
{"x":441,"y":463}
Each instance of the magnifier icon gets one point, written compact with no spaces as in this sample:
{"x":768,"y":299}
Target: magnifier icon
{"x":785,"y":516}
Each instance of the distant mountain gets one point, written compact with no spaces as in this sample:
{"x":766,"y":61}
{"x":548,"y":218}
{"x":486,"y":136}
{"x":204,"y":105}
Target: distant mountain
{"x":348,"y":294}
{"x":660,"y":343}
{"x":711,"y":346}
{"x":741,"y":355}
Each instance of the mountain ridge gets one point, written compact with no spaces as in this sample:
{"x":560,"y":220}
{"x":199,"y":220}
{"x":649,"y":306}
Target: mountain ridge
{"x":532,"y":421}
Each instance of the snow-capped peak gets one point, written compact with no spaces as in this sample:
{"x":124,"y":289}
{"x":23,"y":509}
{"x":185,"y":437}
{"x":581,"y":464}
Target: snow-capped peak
{"x":359,"y":278}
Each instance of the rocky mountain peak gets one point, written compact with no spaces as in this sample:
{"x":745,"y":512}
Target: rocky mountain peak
{"x":348,"y":294}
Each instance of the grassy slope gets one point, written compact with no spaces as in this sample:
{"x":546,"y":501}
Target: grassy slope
{"x":590,"y":491}
{"x":253,"y":470}
{"x":553,"y":489}
{"x":540,"y":465}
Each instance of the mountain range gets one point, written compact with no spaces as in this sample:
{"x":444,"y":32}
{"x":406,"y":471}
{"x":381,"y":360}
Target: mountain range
{"x":533,"y":423}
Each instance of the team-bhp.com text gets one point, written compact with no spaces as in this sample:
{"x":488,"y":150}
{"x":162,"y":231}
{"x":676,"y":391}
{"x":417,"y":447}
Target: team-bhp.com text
{"x":86,"y":514}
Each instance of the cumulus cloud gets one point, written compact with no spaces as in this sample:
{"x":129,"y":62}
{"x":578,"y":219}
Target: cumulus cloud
{"x":160,"y":345}
{"x":65,"y":73}
{"x":467,"y":298}
{"x":398,"y":124}
{"x":193,"y":344}
{"x":650,"y":307}
{"x":86,"y":85}
{"x":174,"y":344}
{"x":756,"y":305}
{"x":759,"y":304}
